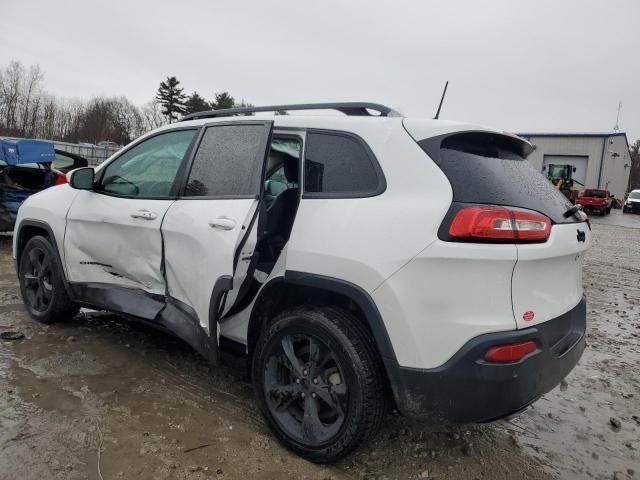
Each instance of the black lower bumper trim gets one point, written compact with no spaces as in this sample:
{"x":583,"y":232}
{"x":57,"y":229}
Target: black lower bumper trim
{"x":631,"y":209}
{"x":468,"y":389}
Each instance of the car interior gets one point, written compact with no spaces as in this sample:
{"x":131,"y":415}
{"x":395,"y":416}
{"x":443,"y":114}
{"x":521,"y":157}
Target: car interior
{"x":30,"y":177}
{"x":278,"y":211}
{"x":281,"y":198}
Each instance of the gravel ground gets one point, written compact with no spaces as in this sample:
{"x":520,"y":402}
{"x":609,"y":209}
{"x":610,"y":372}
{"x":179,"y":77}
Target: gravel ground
{"x":98,"y":394}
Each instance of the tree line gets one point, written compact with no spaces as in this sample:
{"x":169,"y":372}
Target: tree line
{"x":28,"y":110}
{"x":175,"y":103}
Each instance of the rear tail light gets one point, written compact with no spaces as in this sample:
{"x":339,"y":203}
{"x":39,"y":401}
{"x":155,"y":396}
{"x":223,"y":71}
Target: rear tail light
{"x":493,"y":223}
{"x":510,"y":353}
{"x":61,"y":179}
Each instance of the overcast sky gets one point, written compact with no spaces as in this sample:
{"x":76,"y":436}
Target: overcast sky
{"x":523,"y":66}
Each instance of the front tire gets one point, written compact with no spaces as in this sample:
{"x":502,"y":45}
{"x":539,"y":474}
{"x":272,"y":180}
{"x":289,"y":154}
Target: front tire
{"x":318,"y":382}
{"x":41,"y":283}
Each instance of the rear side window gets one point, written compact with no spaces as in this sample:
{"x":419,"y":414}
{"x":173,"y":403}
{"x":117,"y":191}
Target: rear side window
{"x":487,"y":168}
{"x":340,"y":165}
{"x":595,"y":193}
{"x":228,"y":162}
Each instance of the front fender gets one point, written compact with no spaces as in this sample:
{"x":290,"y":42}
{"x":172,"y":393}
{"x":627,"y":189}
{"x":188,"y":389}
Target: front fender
{"x":48,"y":207}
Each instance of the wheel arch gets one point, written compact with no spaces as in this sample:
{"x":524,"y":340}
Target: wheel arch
{"x":26,"y":230}
{"x":300,"y":288}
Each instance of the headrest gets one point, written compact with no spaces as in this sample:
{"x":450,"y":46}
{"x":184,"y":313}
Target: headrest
{"x":290,"y":165}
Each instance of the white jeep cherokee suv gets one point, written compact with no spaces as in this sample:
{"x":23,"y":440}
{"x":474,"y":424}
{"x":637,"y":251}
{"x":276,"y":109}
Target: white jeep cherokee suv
{"x":359,"y":260}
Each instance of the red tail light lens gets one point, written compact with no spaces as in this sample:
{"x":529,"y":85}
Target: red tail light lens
{"x":510,"y":353}
{"x":500,"y":223}
{"x":61,"y":179}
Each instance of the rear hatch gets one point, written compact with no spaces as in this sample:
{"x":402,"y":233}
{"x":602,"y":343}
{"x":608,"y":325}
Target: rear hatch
{"x":547,"y":278}
{"x":591,"y":198}
{"x":488,"y":169}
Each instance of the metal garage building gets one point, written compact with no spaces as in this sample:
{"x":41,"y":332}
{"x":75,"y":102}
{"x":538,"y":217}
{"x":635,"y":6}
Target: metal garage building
{"x":601,"y":159}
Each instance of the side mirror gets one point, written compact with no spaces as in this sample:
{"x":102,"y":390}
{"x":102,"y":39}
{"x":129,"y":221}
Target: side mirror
{"x":82,"y":178}
{"x":574,"y":169}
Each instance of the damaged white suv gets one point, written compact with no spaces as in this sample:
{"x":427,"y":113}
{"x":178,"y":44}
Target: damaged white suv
{"x":359,"y":260}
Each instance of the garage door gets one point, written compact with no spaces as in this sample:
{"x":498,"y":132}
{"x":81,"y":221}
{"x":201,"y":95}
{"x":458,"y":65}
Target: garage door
{"x":579,"y":162}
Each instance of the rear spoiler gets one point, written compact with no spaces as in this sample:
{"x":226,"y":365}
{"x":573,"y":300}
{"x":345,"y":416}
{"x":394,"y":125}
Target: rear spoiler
{"x":17,"y":152}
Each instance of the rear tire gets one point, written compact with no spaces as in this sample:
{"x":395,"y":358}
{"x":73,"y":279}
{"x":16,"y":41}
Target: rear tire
{"x":41,"y":283}
{"x":318,"y":382}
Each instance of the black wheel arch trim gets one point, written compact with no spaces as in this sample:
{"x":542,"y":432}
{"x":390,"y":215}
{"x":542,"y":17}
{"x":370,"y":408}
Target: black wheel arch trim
{"x":20,"y":246}
{"x":358,"y":295}
{"x":350,"y":290}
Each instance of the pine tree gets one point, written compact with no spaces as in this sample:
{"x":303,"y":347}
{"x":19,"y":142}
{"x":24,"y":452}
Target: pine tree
{"x":195,"y":103}
{"x":171,"y":98}
{"x":223,"y":100}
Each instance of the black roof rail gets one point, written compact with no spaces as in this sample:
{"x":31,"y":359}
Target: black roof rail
{"x":348,"y":108}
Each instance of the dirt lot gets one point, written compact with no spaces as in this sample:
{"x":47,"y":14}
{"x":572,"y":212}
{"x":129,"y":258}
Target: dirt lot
{"x":97,"y":393}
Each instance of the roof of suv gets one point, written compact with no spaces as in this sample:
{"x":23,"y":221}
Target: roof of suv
{"x":419,"y":128}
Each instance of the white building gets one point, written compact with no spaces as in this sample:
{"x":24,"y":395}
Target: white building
{"x":601,"y":160}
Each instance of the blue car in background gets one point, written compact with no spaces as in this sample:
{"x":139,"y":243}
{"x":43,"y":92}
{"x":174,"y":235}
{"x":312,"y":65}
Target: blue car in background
{"x":27,"y":167}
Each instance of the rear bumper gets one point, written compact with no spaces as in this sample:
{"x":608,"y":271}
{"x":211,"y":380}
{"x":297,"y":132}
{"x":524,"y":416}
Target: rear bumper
{"x":468,"y":389}
{"x":590,"y":206}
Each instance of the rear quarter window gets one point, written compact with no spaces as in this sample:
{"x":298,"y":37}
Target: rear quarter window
{"x":340,"y":165}
{"x":487,"y":168}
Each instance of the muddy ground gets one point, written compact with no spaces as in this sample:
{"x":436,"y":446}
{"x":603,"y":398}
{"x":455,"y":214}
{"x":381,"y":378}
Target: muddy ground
{"x":99,"y":396}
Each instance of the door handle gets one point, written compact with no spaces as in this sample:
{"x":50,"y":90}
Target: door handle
{"x":144,"y":215}
{"x":222,"y":223}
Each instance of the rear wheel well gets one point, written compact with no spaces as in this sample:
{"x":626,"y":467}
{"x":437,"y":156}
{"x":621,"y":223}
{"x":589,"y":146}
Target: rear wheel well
{"x":283,"y":296}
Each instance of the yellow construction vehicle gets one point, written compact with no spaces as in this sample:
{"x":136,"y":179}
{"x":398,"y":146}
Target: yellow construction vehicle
{"x":562,"y":178}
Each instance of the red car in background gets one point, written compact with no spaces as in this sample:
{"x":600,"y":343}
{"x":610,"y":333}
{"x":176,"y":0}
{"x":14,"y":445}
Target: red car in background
{"x":596,"y":200}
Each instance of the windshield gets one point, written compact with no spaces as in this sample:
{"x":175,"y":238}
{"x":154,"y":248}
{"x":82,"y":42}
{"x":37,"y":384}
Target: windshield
{"x":557,"y":171}
{"x":635,"y":195}
{"x":594,"y":193}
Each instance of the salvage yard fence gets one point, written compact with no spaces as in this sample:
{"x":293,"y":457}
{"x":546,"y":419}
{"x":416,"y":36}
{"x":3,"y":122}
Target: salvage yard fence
{"x":95,"y":154}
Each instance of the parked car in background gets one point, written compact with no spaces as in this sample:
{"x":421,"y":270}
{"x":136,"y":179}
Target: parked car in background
{"x":596,"y":200}
{"x":632,"y":204}
{"x":27,"y":167}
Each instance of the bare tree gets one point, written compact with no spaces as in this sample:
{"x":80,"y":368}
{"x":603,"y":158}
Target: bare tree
{"x":28,"y":110}
{"x":152,"y":116}
{"x":31,"y":89}
{"x":12,"y":82}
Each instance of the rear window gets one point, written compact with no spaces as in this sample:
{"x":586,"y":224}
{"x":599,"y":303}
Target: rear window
{"x":340,"y":165}
{"x":594,"y":193}
{"x":487,"y":168}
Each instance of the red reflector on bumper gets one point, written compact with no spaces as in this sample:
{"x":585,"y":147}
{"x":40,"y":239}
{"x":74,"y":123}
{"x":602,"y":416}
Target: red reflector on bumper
{"x":510,"y":353}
